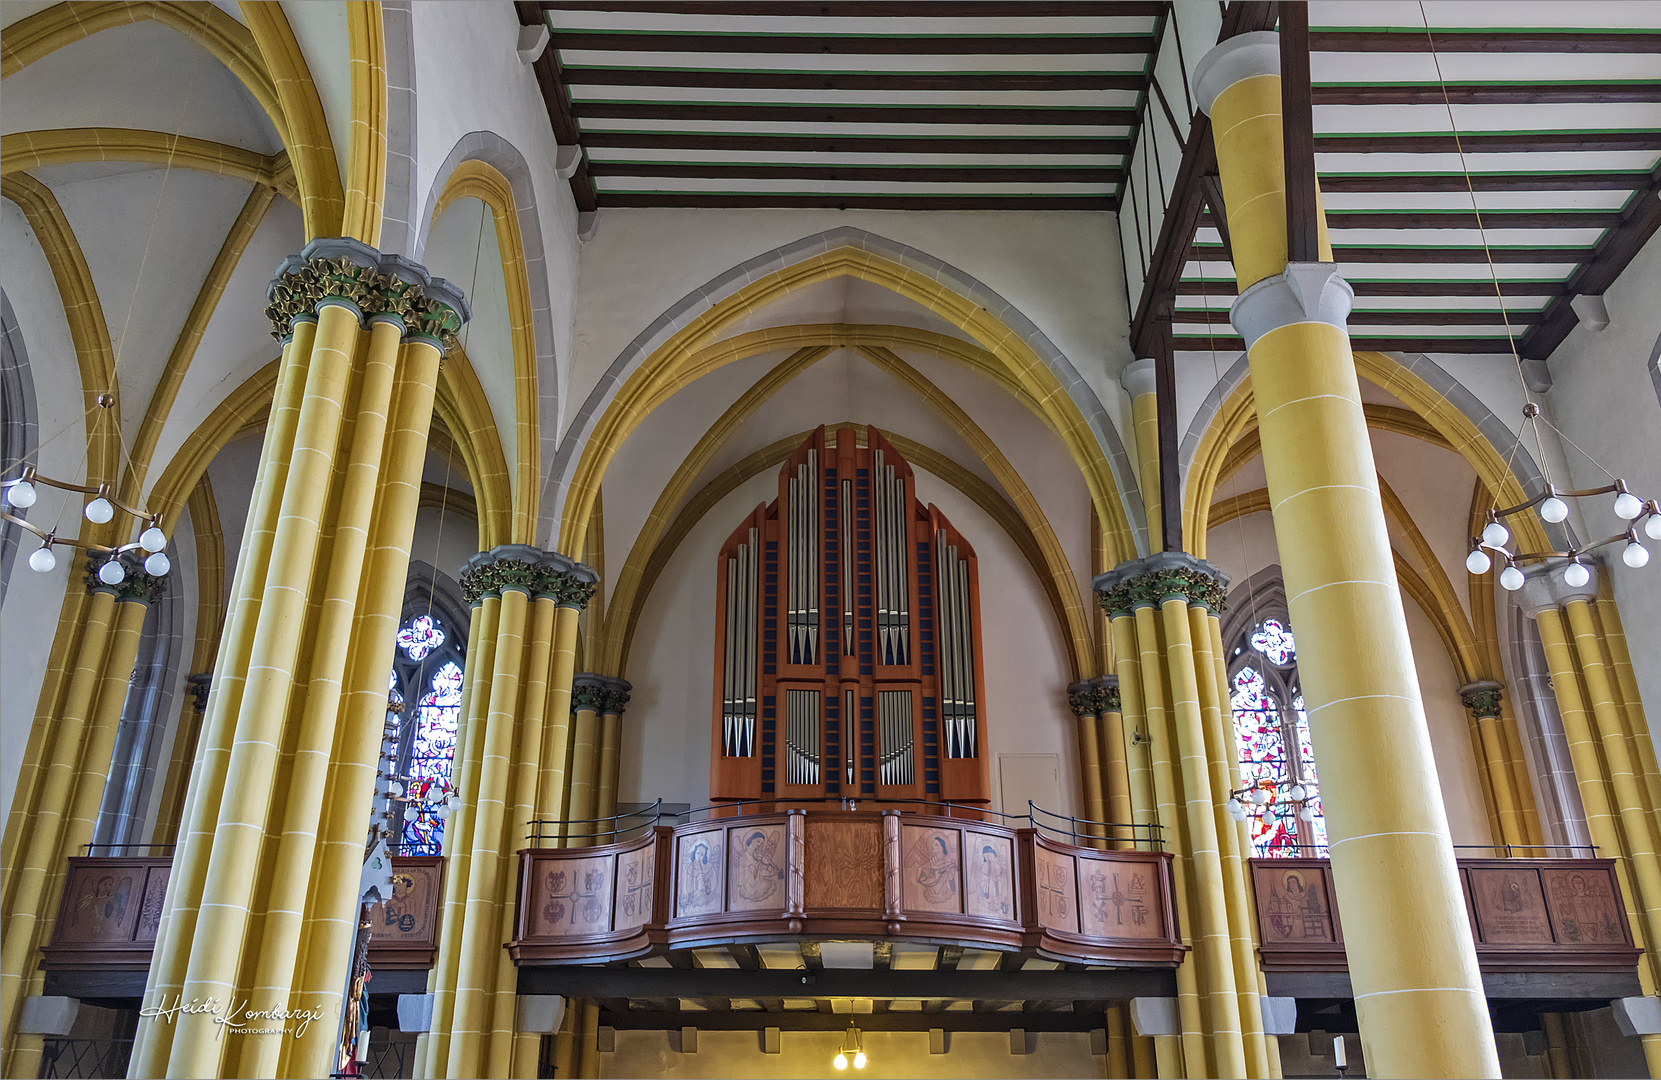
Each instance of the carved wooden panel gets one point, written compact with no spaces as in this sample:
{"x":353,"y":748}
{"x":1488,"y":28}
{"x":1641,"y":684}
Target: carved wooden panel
{"x":1119,"y":900}
{"x":635,"y":870}
{"x":411,"y":916}
{"x":931,"y":872}
{"x":756,"y":875}
{"x":1584,"y":906}
{"x":573,"y":898}
{"x":155,"y":898}
{"x":844,"y":864}
{"x":989,"y":873}
{"x":700,"y":873}
{"x":1057,"y":890}
{"x":1510,"y":905}
{"x":1294,"y":903}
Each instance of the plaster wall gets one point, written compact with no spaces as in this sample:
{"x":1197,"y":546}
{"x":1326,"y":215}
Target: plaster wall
{"x":665,"y":750}
{"x":1061,"y":269}
{"x":1604,"y":401}
{"x":32,"y":601}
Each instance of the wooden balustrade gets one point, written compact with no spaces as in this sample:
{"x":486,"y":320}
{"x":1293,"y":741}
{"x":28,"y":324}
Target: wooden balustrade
{"x":1526,"y":915}
{"x":845,"y":873}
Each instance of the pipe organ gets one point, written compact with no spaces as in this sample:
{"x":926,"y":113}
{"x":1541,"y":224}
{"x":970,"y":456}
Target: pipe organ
{"x":847,"y":648}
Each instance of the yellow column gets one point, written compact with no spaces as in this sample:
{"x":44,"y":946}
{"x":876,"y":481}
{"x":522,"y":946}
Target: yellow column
{"x":1116,"y":794}
{"x":585,"y":722}
{"x":1133,"y":718}
{"x":1081,"y":698}
{"x":1482,"y":699}
{"x":1138,"y":379}
{"x":1626,"y":680}
{"x":1412,"y":962}
{"x":611,"y":734}
{"x":553,"y":788}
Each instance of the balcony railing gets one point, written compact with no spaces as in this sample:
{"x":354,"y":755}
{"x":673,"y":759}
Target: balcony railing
{"x":1526,"y":914}
{"x":859,"y":873}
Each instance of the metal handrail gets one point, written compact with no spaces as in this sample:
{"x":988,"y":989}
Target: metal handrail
{"x":543,"y":830}
{"x":86,"y":849}
{"x":1510,"y":851}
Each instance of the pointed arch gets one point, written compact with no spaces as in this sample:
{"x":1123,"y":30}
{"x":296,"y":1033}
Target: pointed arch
{"x":663,"y":351}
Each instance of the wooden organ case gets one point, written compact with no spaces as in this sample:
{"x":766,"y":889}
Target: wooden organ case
{"x":847,"y":646}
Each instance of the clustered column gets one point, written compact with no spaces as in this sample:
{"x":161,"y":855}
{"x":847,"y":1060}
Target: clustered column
{"x":262,"y":903}
{"x":514,"y":724}
{"x":1508,"y":788}
{"x":1168,"y":643}
{"x":59,"y":794}
{"x":1095,"y":702}
{"x":1412,"y":960}
{"x":1609,"y":746}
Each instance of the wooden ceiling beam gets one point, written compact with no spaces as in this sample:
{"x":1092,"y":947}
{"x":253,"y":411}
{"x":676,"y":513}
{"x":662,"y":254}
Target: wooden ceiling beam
{"x":976,"y":82}
{"x":1363,"y":342}
{"x":821,"y":45}
{"x":1036,"y":173}
{"x":853,"y":144}
{"x":1520,"y":141}
{"x":1519,"y":319}
{"x":771,"y":200}
{"x":550,"y":81}
{"x":1522,"y":94}
{"x":1415,"y":39}
{"x":872,"y":9}
{"x":1563,"y":181}
{"x":848,"y":114}
{"x":1463,"y":219}
{"x":1411,"y":254}
{"x":1303,"y":213}
{"x":1472,"y":287}
{"x":1640,"y":220}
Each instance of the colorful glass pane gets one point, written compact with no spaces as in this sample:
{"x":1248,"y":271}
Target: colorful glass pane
{"x":1257,"y":730}
{"x":431,"y":758}
{"x":1306,"y":767}
{"x":1273,"y":640}
{"x":420,"y":637}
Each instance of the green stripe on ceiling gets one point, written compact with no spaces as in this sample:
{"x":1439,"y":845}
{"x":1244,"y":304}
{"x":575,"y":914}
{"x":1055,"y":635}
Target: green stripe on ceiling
{"x":686,"y":99}
{"x":763,"y":35}
{"x":1497,"y":31}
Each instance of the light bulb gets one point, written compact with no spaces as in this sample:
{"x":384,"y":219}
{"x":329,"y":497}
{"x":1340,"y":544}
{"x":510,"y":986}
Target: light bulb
{"x":1576,"y":575}
{"x":99,"y":510}
{"x":21,"y":495}
{"x":1307,"y":813}
{"x":111,"y":573}
{"x":1478,"y":562}
{"x":1635,"y":555}
{"x":43,"y":560}
{"x":1652,"y":526}
{"x":1554,"y":510}
{"x":1495,"y":535}
{"x":1628,"y":506}
{"x":157,"y":564}
{"x":1511,"y":578}
{"x":395,"y":789}
{"x":1236,"y":811}
{"x":1297,"y":793}
{"x":840,"y":1061}
{"x":454,"y":802}
{"x":859,"y":1059}
{"x":1259,"y":796}
{"x":152,"y":539}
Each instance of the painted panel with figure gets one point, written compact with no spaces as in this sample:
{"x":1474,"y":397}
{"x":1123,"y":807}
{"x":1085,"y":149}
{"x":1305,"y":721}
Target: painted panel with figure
{"x":989,"y":870}
{"x":1510,"y":906}
{"x":930,"y":870}
{"x":756,"y":870}
{"x":1294,"y":904}
{"x":1584,"y":906}
{"x":699,"y":860}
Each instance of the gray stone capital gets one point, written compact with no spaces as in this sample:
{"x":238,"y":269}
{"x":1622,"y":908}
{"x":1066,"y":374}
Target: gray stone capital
{"x":1138,"y":378}
{"x":1243,"y":56}
{"x":1304,"y":292}
{"x":1545,"y":590}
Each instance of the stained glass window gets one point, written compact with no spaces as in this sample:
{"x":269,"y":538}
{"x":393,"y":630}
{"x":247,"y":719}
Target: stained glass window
{"x":420,"y":637}
{"x":432,"y":754}
{"x":1271,"y":729}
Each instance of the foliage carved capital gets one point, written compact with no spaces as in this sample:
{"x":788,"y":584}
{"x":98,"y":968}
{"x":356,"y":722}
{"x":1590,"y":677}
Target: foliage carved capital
{"x":520,"y":566}
{"x":373,"y":283}
{"x":1160,"y":577}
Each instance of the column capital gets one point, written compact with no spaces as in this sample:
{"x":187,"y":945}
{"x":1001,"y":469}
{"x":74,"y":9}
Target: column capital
{"x":1107,"y":694}
{"x":1302,"y":293}
{"x":1244,"y":56}
{"x":374,"y":284}
{"x":199,"y":686}
{"x":1545,"y":590}
{"x":1081,"y":698}
{"x":138,"y":584}
{"x":1482,"y":697}
{"x":1138,"y":378}
{"x":1148,"y":582}
{"x":603,"y":694}
{"x":538,"y":572}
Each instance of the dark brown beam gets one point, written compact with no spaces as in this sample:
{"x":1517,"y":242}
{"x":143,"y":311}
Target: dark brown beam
{"x":1201,"y":343}
{"x":771,"y":200}
{"x":1639,"y":221}
{"x":1466,"y":219}
{"x":1445,"y":143}
{"x":1519,"y":319}
{"x":802,"y":1020}
{"x":852,"y":144}
{"x":1470,"y":287}
{"x":968,"y":82}
{"x":1516,"y":94}
{"x":581,"y":981}
{"x":847,"y":114}
{"x":1297,"y":118}
{"x":1434,"y":254}
{"x":1001,"y":174}
{"x":1555,"y":181}
{"x":931,"y":45}
{"x":1414,"y":39}
{"x":551,"y":82}
{"x":868,"y":9}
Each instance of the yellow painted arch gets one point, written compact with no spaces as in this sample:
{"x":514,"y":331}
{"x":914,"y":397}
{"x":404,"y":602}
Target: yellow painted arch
{"x":461,"y":404}
{"x":479,"y":180}
{"x":264,"y":56}
{"x":63,"y":146}
{"x":366,"y":145}
{"x":671,"y":359}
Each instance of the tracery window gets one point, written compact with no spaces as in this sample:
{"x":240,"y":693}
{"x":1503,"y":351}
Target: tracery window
{"x":427,"y":672}
{"x":1271,"y":728}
